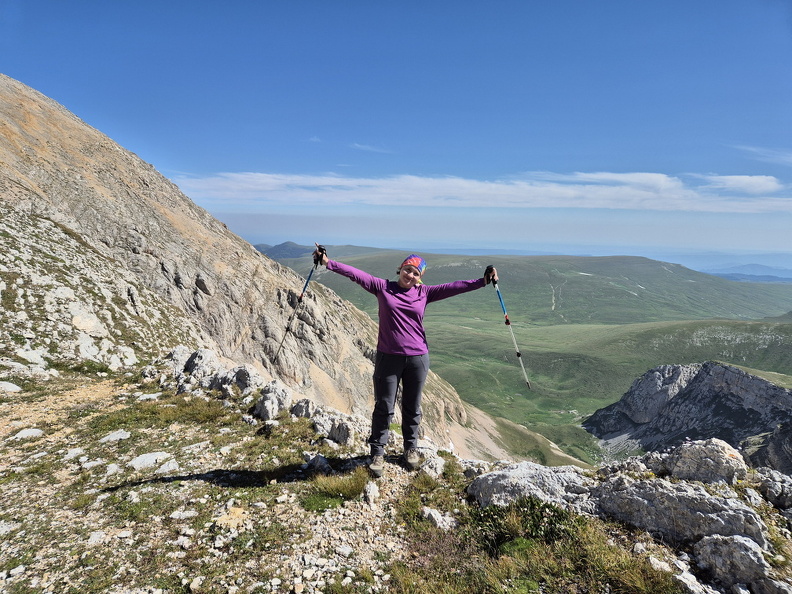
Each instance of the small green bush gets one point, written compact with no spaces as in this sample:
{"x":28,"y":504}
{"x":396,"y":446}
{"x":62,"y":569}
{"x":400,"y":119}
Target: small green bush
{"x":526,"y":518}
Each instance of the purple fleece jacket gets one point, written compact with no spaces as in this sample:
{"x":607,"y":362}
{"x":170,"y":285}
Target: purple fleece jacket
{"x":401,"y":311}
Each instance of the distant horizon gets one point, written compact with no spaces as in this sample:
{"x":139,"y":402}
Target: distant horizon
{"x":701,"y":260}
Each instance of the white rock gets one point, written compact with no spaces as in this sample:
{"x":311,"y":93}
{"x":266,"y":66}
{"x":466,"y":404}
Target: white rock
{"x":732,"y":559}
{"x":371,"y":492}
{"x":9,"y":387}
{"x":73,"y":453}
{"x":145,"y":397}
{"x":527,"y":479}
{"x":28,"y":434}
{"x":96,"y":537}
{"x":183,"y":515}
{"x":91,"y":464}
{"x":274,"y":399}
{"x":444,"y":522}
{"x":112,"y":469}
{"x":36,"y":357}
{"x":148,"y":460}
{"x":8,"y":527}
{"x":678,"y":511}
{"x":708,"y":461}
{"x":116,"y":436}
{"x":433,"y":466}
{"x":659,"y":565}
{"x":85,"y":320}
{"x":197,"y":583}
{"x":170,"y":466}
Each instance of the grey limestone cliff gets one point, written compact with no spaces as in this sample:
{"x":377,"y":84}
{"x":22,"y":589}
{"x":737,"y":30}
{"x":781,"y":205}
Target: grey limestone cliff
{"x":674,"y":403}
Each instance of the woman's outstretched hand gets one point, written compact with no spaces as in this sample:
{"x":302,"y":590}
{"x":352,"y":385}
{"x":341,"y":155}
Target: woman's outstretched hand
{"x":320,"y":255}
{"x":490,"y":275}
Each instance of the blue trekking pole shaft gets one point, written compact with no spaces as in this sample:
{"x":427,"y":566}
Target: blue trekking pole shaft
{"x":514,"y":340}
{"x":305,"y":286}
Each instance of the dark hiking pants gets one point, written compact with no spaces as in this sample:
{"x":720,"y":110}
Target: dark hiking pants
{"x":389,"y":370}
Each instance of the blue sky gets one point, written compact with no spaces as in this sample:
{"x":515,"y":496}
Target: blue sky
{"x":573,"y":126}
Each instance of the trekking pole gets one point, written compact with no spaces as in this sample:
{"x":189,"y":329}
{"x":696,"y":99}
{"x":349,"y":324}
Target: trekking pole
{"x":317,"y":259}
{"x":514,"y":340}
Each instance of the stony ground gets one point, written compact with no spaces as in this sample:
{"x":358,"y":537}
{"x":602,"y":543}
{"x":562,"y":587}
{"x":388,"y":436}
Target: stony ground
{"x":165,"y":499}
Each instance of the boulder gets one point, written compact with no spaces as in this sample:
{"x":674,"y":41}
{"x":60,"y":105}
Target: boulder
{"x":561,"y":485}
{"x":678,"y":513}
{"x":274,"y":399}
{"x":338,"y":427}
{"x":304,"y":408}
{"x":708,"y":461}
{"x":731,"y":559}
{"x":775,"y":487}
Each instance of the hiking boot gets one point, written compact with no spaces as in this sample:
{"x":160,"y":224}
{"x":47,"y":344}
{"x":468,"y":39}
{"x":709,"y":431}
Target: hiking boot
{"x":412,"y":458}
{"x":377,"y":465}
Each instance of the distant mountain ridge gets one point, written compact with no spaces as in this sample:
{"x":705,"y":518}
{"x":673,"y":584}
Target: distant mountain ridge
{"x":754,"y":273}
{"x":575,"y":289}
{"x":753,"y":270}
{"x":753,"y":278}
{"x":293,"y":251}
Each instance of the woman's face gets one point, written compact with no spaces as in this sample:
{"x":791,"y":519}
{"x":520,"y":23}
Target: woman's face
{"x":409,"y":276}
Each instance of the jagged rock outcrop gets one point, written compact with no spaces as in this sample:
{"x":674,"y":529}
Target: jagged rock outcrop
{"x":103,"y":259}
{"x":683,"y":498}
{"x":674,"y":403}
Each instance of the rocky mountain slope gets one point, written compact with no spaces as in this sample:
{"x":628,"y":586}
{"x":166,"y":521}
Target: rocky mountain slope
{"x":105,"y":260}
{"x":674,"y":403}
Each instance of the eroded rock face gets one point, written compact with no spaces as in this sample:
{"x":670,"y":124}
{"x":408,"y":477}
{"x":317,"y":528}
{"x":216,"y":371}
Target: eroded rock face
{"x":672,"y":404}
{"x":775,"y":451}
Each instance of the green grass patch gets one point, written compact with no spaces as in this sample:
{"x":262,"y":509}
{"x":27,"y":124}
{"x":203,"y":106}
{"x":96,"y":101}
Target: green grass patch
{"x":330,"y":491}
{"x":164,"y":411}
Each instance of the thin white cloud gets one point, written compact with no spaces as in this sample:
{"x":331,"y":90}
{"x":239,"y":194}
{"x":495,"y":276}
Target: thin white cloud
{"x":368,"y":148}
{"x":597,"y":190}
{"x":767,"y":155}
{"x":748,"y":184}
